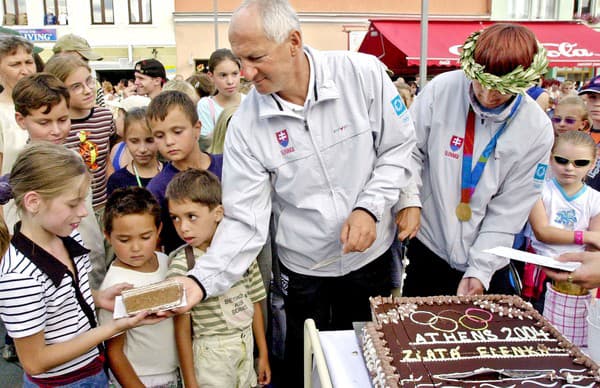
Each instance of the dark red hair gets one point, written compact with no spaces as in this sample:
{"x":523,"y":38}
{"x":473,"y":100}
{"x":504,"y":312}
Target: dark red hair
{"x":504,"y":46}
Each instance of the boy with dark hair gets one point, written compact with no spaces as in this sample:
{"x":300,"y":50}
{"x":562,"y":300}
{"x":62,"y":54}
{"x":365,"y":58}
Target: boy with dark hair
{"x":224,"y":324}
{"x":173,"y":119}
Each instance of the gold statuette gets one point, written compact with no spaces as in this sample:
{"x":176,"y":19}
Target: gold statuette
{"x":463,"y":211}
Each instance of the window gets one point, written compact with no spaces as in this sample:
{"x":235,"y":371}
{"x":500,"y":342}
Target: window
{"x":102,"y":12}
{"x":55,"y":12}
{"x":15,"y":12}
{"x":585,"y":8}
{"x":533,"y":9}
{"x":140,"y":12}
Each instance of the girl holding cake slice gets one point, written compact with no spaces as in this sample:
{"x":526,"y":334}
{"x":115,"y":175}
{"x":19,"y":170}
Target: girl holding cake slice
{"x":46,"y":302}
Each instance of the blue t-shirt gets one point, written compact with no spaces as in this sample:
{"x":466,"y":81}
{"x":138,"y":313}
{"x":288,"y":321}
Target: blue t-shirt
{"x":123,"y":178}
{"x":158,"y":187}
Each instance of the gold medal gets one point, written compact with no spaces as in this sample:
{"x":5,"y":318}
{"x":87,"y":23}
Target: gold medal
{"x":463,"y":211}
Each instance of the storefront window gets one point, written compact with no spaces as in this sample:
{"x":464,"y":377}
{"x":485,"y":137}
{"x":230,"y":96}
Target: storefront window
{"x":55,"y":12}
{"x":532,"y":9}
{"x":15,"y":12}
{"x":140,"y":12}
{"x":102,"y":12}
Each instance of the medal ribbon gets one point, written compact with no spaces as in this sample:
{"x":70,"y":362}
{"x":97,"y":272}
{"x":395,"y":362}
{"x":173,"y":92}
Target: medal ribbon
{"x":470,"y":178}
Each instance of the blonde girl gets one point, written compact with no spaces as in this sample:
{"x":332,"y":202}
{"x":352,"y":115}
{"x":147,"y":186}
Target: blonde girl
{"x":570,"y":114}
{"x":144,"y":164}
{"x":46,"y":303}
{"x":91,"y":126}
{"x":224,"y":69}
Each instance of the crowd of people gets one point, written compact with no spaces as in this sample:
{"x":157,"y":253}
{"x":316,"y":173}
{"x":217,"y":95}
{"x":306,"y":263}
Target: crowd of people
{"x":303,"y":189}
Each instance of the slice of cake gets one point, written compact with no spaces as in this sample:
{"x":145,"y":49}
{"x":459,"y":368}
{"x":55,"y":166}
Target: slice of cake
{"x":153,"y":297}
{"x":471,"y":341}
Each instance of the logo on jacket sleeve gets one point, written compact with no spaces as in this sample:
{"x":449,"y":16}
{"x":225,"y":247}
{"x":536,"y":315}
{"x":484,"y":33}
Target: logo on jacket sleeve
{"x":282,"y":137}
{"x":398,"y":105}
{"x":455,"y":143}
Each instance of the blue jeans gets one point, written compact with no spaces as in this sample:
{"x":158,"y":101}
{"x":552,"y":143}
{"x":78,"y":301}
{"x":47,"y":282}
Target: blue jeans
{"x":98,"y":380}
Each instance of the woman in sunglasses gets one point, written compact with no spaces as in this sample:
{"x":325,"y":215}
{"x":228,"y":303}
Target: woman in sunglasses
{"x":570,"y":115}
{"x":563,"y":220}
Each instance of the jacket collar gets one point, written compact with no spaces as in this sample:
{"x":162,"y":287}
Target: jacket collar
{"x":487,"y":115}
{"x":47,"y":263}
{"x":323,"y":88}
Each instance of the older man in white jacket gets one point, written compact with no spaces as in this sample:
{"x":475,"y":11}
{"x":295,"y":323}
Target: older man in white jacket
{"x":324,"y":142}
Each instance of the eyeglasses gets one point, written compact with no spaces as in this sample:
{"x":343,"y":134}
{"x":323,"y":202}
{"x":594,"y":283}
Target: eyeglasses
{"x":568,"y":120}
{"x":577,"y":162}
{"x":78,"y":88}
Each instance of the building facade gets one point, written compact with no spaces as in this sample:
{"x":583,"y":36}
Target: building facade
{"x":122,"y":31}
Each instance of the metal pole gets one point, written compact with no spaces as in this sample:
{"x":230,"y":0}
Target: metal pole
{"x":216,"y":22}
{"x":424,"y":32}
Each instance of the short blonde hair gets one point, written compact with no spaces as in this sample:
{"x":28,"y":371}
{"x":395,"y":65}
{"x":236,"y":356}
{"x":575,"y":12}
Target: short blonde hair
{"x":183,"y":87}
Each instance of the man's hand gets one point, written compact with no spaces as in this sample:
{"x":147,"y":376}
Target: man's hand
{"x":587,"y":275}
{"x":358,"y":232}
{"x":409,"y":222}
{"x":193,"y":294}
{"x":469,"y":286}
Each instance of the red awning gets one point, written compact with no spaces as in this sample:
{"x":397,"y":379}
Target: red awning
{"x":397,"y":42}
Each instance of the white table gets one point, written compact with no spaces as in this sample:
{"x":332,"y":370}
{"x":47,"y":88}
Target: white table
{"x":345,"y":366}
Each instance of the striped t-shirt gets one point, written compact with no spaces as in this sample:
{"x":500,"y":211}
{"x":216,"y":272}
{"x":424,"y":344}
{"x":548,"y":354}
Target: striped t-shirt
{"x":90,"y":137}
{"x":38,"y":294}
{"x":217,"y":315}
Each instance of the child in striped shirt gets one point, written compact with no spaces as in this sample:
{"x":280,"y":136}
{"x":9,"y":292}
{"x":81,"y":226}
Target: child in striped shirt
{"x":216,"y":350}
{"x":46,"y":302}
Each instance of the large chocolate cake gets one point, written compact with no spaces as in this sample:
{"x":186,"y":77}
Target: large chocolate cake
{"x":476,"y":341}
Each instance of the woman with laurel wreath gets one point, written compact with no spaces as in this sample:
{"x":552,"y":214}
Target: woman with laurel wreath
{"x":481,"y":159}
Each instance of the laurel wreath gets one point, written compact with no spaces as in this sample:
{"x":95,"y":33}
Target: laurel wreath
{"x":515,"y":82}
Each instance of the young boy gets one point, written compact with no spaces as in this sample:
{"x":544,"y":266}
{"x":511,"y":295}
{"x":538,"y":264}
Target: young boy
{"x":220,"y":354}
{"x":42,"y":109}
{"x":146,"y":354}
{"x":174,"y":123}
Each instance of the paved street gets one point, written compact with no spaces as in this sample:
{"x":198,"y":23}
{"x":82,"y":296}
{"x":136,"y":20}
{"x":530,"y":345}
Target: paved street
{"x":11,"y":374}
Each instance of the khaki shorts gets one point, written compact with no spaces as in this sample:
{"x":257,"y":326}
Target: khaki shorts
{"x":225,"y":360}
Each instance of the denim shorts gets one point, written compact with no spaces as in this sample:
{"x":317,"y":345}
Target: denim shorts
{"x":98,"y":380}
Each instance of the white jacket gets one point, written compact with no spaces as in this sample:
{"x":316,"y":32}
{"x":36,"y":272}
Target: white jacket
{"x":349,"y":148}
{"x":509,"y":186}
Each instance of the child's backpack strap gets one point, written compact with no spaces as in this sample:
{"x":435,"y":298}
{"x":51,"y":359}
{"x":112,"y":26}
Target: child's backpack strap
{"x":189,"y":257}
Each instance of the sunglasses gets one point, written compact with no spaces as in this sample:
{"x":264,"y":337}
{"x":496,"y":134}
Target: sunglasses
{"x":577,"y":162}
{"x":568,"y":120}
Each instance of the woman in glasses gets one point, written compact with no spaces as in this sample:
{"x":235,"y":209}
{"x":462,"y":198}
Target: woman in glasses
{"x":570,"y":115}
{"x":566,"y":218}
{"x":481,"y":157}
{"x":91,"y":126}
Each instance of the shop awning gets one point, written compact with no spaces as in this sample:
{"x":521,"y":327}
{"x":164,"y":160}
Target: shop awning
{"x":397,"y":42}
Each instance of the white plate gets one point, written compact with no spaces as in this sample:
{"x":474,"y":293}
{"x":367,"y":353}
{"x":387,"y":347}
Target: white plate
{"x":532,"y":258}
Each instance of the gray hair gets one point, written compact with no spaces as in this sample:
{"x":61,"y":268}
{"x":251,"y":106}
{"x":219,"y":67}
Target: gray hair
{"x":10,"y":43}
{"x":277,"y":16}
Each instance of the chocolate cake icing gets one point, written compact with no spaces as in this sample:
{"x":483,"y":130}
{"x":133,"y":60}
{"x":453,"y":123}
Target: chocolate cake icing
{"x":470,"y":341}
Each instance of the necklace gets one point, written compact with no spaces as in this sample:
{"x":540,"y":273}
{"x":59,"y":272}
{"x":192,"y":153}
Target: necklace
{"x":137,"y":175}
